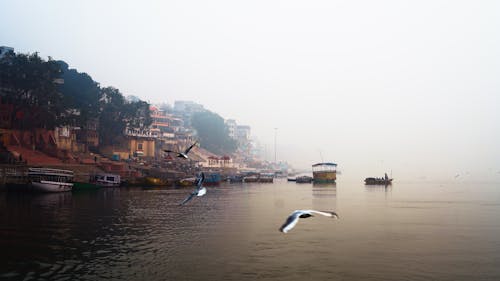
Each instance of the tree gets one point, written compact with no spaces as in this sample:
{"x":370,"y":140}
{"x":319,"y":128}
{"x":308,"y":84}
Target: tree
{"x":213,"y":133}
{"x":116,"y":114}
{"x":29,"y":83}
{"x":80,"y":92}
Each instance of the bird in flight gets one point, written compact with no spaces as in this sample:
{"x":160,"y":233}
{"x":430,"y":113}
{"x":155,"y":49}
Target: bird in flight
{"x":293,"y":219}
{"x":182,"y":154}
{"x":199,"y":191}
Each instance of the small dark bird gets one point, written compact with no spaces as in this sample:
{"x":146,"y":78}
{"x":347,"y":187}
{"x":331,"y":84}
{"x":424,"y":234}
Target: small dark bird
{"x":182,"y":154}
{"x":293,"y":219}
{"x":199,"y":191}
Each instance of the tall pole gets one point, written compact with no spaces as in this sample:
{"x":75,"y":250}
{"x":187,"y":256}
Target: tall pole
{"x":275,"y":133}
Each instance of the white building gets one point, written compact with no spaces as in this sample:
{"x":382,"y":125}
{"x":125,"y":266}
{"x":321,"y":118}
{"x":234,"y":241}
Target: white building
{"x":243,"y":133}
{"x":231,"y":126}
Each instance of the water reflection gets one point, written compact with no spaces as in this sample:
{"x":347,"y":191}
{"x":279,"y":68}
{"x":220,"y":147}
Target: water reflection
{"x":412,"y":232}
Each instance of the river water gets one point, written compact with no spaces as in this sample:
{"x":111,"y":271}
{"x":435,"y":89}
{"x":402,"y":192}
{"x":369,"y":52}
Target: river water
{"x":410,"y":231}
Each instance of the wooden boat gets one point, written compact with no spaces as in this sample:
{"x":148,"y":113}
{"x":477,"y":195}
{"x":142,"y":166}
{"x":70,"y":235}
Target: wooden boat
{"x":324,"y":172}
{"x":304,"y":179}
{"x":81,"y":186}
{"x":186,"y":182}
{"x":50,"y":180}
{"x":266,"y":177}
{"x":155,"y":182}
{"x":378,"y":181}
{"x":251,"y":177}
{"x":235,"y":178}
{"x":292,"y":179}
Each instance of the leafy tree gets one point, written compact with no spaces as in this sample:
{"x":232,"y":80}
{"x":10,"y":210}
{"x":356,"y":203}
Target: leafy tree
{"x":117,"y":114}
{"x":29,"y":83}
{"x":80,"y":92}
{"x":213,"y":132}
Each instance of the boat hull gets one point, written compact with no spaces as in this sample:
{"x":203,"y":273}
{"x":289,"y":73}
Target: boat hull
{"x":50,"y":186}
{"x":80,"y":186}
{"x":372,"y":181}
{"x":324,"y":176}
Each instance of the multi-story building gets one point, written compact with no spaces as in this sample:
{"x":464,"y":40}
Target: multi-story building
{"x":231,"y":127}
{"x":243,"y":133}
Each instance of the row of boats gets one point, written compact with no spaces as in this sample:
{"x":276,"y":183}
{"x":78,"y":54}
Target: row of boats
{"x":59,"y":180}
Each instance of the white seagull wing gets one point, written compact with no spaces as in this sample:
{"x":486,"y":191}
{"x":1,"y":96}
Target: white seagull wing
{"x":323,"y":213}
{"x":290,"y":222}
{"x":202,"y":192}
{"x":190,"y":196}
{"x":200,"y":181}
{"x":189,"y":148}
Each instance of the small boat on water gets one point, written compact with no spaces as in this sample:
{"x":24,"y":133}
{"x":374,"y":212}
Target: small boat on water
{"x":266,"y":177}
{"x":304,"y":179}
{"x":98,"y":181}
{"x":155,"y":182}
{"x":379,"y":181}
{"x":324,"y":172}
{"x":235,"y":178}
{"x":50,"y":180}
{"x":251,"y":177}
{"x":187,"y":182}
{"x":212,"y":179}
{"x":107,"y":180}
{"x":292,"y":179}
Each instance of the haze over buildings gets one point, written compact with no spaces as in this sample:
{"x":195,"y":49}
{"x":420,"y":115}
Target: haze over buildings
{"x":372,"y":85}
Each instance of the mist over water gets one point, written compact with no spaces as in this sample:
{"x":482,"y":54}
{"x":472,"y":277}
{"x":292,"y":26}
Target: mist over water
{"x":410,"y":231}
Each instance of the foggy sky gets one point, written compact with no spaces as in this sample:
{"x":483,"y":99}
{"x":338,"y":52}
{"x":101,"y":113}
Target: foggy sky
{"x":407,"y":86}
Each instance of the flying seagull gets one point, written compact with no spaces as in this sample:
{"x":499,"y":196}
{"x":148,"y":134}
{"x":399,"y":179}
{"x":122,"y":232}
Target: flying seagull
{"x":183,"y":154}
{"x":293,"y":219}
{"x":199,"y":191}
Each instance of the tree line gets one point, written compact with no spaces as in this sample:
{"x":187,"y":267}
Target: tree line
{"x":47,"y":94}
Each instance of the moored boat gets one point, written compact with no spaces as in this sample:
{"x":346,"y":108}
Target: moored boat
{"x":81,"y":186}
{"x":212,"y":179}
{"x":235,"y":178}
{"x":324,"y":172}
{"x":266,"y":177}
{"x":50,"y":180}
{"x":107,"y":180}
{"x":187,"y":182}
{"x":251,"y":177}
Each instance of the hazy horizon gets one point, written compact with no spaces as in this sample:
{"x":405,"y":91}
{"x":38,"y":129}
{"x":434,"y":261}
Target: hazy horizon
{"x":408,"y":87}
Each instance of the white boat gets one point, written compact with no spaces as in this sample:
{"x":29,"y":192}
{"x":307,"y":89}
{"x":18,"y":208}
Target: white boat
{"x":50,"y":180}
{"x":108,"y":180}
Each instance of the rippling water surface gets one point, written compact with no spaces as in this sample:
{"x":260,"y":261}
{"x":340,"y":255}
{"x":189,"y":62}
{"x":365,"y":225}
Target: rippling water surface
{"x":410,"y":231}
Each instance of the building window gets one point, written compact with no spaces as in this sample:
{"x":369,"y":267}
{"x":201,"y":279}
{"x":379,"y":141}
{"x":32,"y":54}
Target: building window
{"x":139,"y":146}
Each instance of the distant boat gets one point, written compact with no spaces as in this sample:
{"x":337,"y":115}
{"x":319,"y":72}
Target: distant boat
{"x":378,"y":181}
{"x":266,"y":177}
{"x":107,"y":180}
{"x":187,"y":182}
{"x":212,"y":179}
{"x":324,"y":172}
{"x":50,"y":180}
{"x":292,"y":179}
{"x":304,"y":179}
{"x":251,"y":177}
{"x":235,"y":178}
{"x":155,"y":182}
